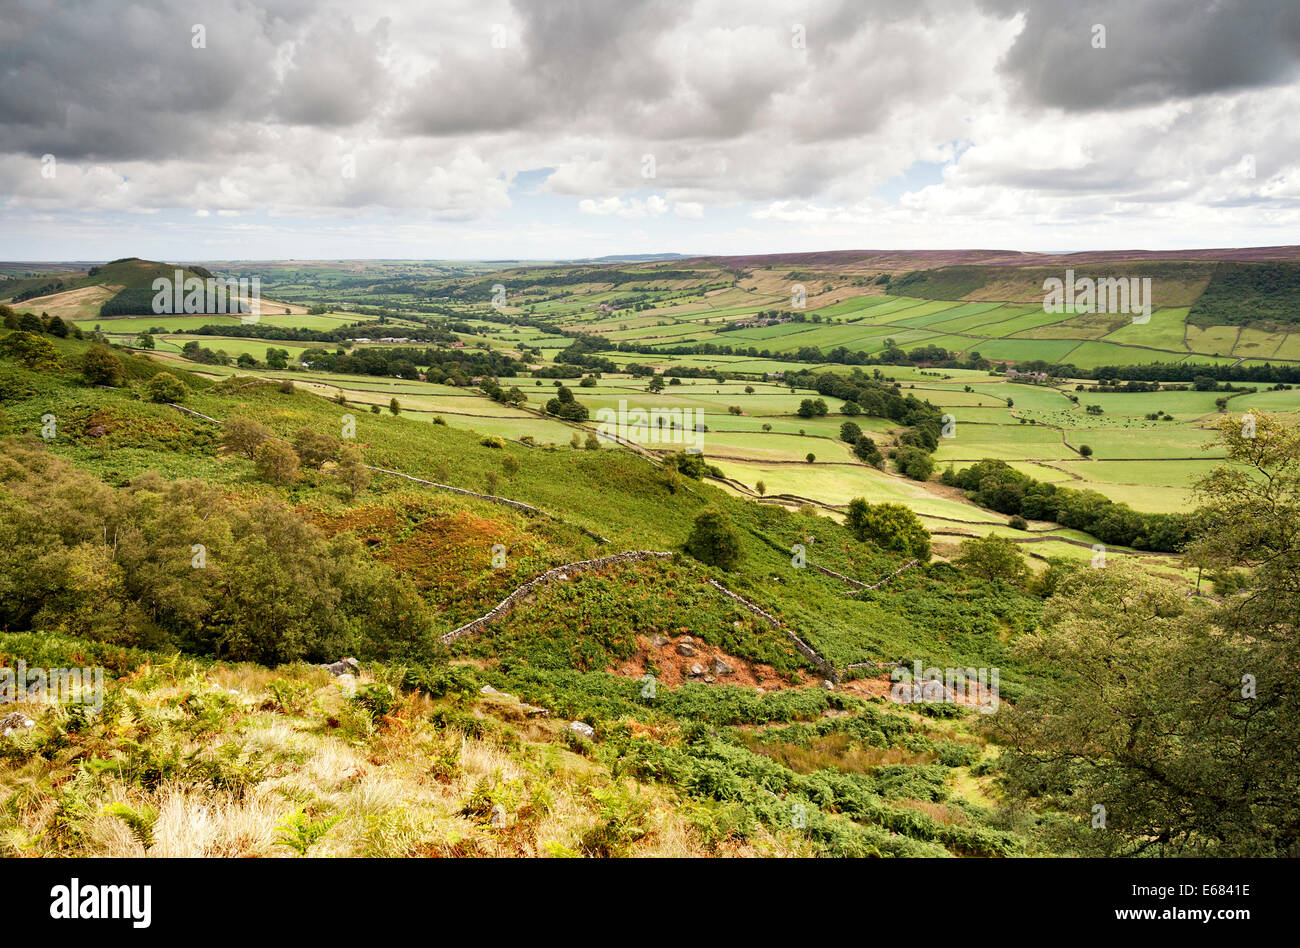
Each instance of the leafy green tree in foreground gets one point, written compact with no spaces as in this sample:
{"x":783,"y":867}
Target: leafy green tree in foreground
{"x":1168,"y":726}
{"x":714,"y":540}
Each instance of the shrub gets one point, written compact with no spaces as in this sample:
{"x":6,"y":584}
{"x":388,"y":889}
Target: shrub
{"x":714,"y":540}
{"x":30,"y":350}
{"x":165,"y":387}
{"x":100,"y":367}
{"x":315,"y":448}
{"x":276,"y":462}
{"x":890,"y":526}
{"x":243,"y":435}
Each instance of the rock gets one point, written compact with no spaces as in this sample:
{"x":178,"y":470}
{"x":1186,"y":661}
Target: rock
{"x":922,"y":692}
{"x":659,"y":641}
{"x":709,"y":679}
{"x":98,"y":431}
{"x":828,"y":684}
{"x":498,"y":817}
{"x":685,"y":648}
{"x":582,"y":729}
{"x":688,"y":639}
{"x":488,"y":690}
{"x":533,"y":711}
{"x":697,"y":670}
{"x":760,"y":691}
{"x":348,"y":666}
{"x":12,"y":723}
{"x":722,"y":668}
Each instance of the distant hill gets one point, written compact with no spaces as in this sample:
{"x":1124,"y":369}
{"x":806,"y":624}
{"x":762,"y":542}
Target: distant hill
{"x":122,"y":287}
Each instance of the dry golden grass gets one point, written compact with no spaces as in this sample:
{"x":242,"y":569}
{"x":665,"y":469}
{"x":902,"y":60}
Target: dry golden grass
{"x":398,"y":786}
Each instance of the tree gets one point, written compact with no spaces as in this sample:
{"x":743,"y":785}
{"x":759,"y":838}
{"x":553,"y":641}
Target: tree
{"x":812,"y":408}
{"x":144,"y":341}
{"x":593,"y":443}
{"x":656,"y":383}
{"x":99,"y":366}
{"x":277,"y":358}
{"x":714,"y":540}
{"x":850,"y":432}
{"x":276,"y":462}
{"x":30,"y":350}
{"x":165,"y":387}
{"x":1085,"y":450}
{"x":1177,"y":717}
{"x":865,"y":449}
{"x":243,"y":435}
{"x":761,"y":488}
{"x":915,"y":463}
{"x":352,"y":470}
{"x":314,"y":447}
{"x":889,"y":526}
{"x":395,"y":406}
{"x":993,"y":557}
{"x":810,"y":457}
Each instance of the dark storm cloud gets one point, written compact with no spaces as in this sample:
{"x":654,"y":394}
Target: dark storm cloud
{"x":1155,"y":50}
{"x":105,"y":81}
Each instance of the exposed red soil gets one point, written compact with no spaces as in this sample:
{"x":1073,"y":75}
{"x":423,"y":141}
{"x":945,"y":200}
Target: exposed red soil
{"x":672,"y":668}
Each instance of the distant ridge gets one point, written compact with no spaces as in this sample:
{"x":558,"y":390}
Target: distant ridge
{"x":929,"y":259}
{"x":628,"y":258}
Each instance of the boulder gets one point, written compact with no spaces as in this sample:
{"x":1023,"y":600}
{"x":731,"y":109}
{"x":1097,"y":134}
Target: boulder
{"x":582,"y":729}
{"x":828,"y":684}
{"x":659,"y":641}
{"x":696,"y":670}
{"x":922,"y":692}
{"x":348,"y":666}
{"x":685,"y":648}
{"x":722,"y":668}
{"x":12,"y":723}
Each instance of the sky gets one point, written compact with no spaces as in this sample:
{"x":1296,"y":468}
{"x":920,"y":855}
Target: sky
{"x":561,"y":129}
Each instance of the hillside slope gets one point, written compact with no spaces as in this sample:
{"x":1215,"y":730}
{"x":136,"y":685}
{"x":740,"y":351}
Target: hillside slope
{"x":773,"y":759}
